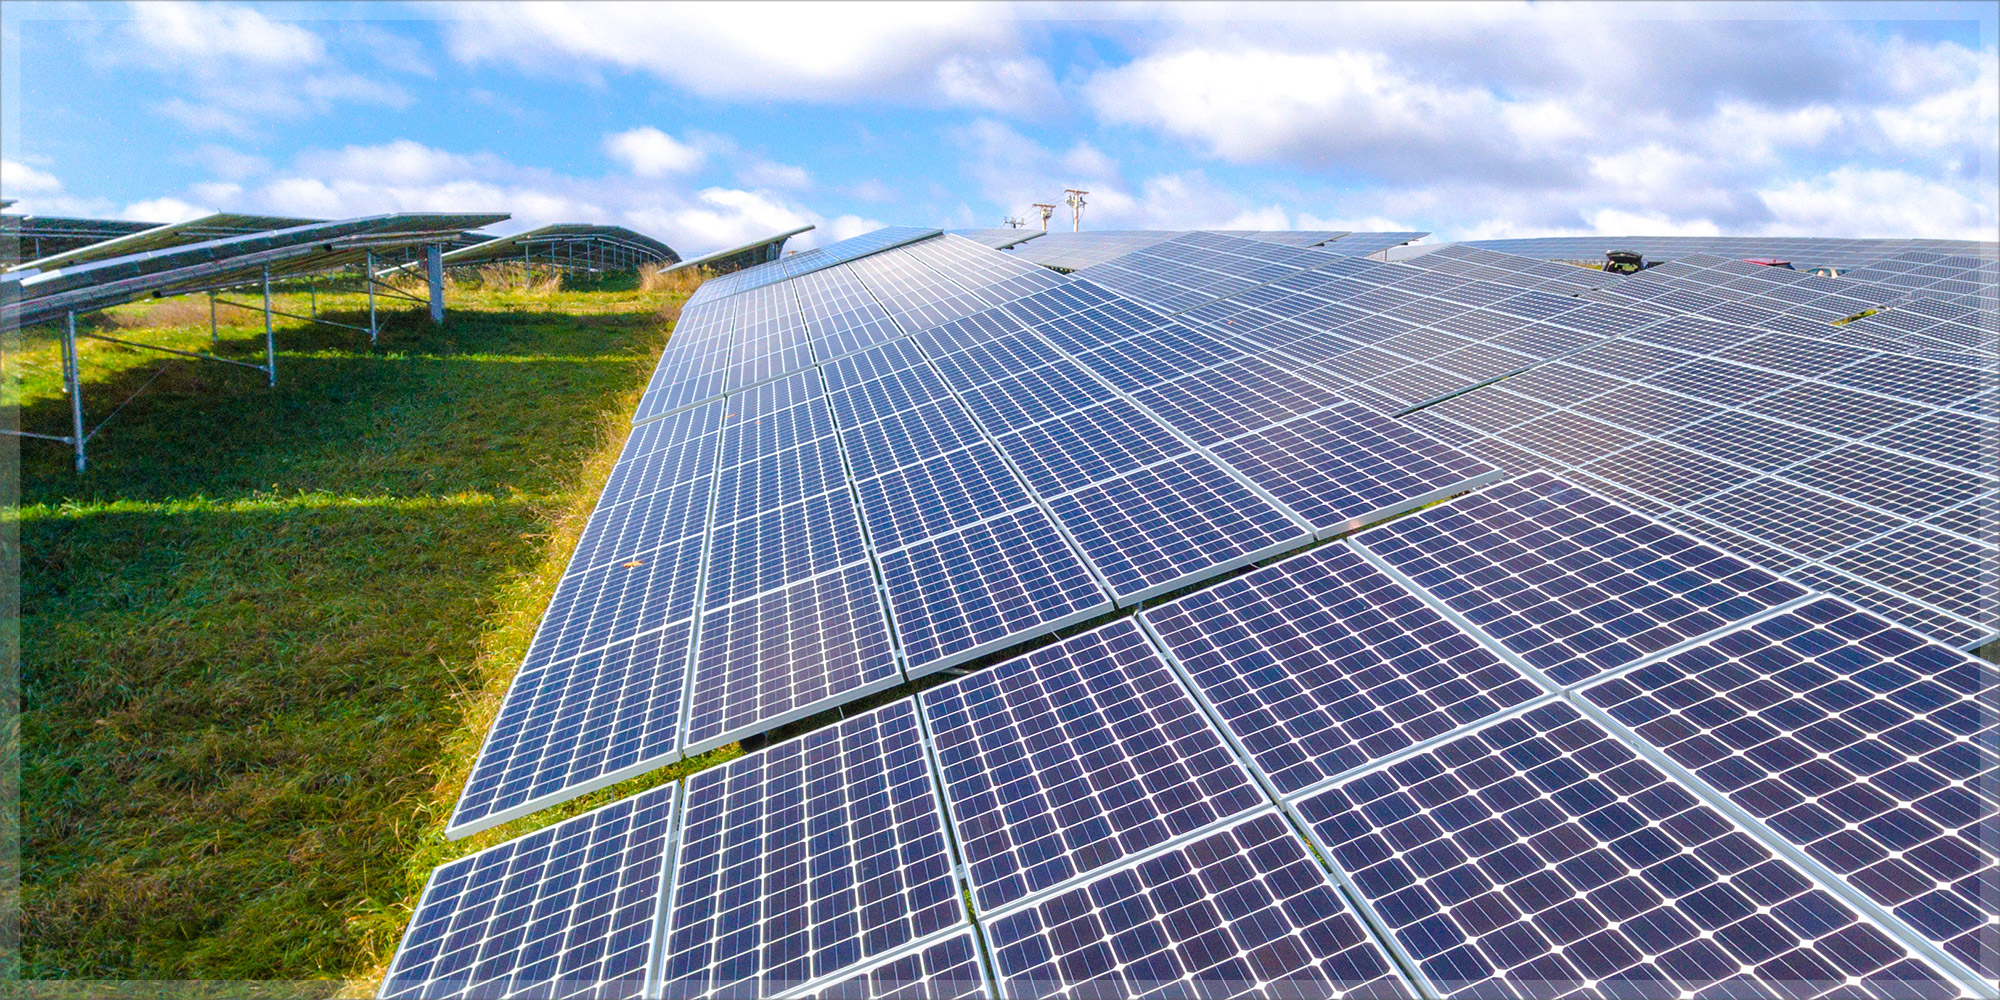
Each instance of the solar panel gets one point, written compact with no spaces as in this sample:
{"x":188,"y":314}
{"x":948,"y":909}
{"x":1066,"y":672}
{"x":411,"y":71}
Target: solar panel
{"x":1539,"y":853}
{"x":569,"y":910}
{"x":781,"y":547}
{"x":787,"y":654}
{"x":1320,"y":664}
{"x":573,"y":726}
{"x":805,"y":859}
{"x":1857,"y":740}
{"x":1073,"y":758}
{"x":1242,"y":911}
{"x":1344,"y":467}
{"x":960,"y":596}
{"x":950,"y":969}
{"x":1163,"y":527}
{"x":1571,"y":583}
{"x":914,"y":502}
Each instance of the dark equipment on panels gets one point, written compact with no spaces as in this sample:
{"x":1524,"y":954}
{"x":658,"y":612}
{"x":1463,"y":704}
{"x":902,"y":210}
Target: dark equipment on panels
{"x":1623,"y":262}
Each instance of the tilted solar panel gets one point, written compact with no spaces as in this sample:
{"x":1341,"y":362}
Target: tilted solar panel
{"x":1573,"y":584}
{"x":1869,"y":748}
{"x":1320,"y":664}
{"x":801,"y":861}
{"x":569,"y":910}
{"x":1074,"y":758}
{"x":1242,"y":911}
{"x":1540,"y":854}
{"x":950,"y":969}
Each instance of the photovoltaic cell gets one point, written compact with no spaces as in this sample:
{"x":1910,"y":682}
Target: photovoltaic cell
{"x":956,"y":597}
{"x":1163,"y":527}
{"x":808,"y":858}
{"x":1243,"y":911}
{"x":1320,"y":664}
{"x":1074,"y":758}
{"x":570,"y":910}
{"x":1089,"y":446}
{"x":1345,"y":467}
{"x":617,"y":601}
{"x":783,"y":546}
{"x":1540,"y":855}
{"x":950,"y":969}
{"x":578,"y":725}
{"x":787,"y":654}
{"x":909,"y":504}
{"x":1869,"y":747}
{"x":1572,"y":583}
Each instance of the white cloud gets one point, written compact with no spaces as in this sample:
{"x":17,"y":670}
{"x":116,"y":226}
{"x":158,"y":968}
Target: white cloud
{"x":165,"y":210}
{"x":204,"y":34}
{"x":649,"y":152}
{"x":18,"y":179}
{"x":783,"y":176}
{"x":1855,"y":202}
{"x":949,"y":54}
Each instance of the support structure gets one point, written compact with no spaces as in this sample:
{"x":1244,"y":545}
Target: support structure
{"x":73,"y":384}
{"x":434,"y":266}
{"x":368,"y":280}
{"x":270,"y":340}
{"x":1073,"y":197}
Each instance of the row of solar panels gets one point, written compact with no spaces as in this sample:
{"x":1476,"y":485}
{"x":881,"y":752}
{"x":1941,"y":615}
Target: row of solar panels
{"x":913,"y":505}
{"x":1895,"y":410}
{"x":1538,"y":745}
{"x":1002,"y":482}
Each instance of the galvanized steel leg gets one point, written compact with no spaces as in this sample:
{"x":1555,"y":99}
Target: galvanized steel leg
{"x":213,"y":337}
{"x":434,"y":261}
{"x":73,"y":384}
{"x":270,"y":342}
{"x":369,"y":280}
{"x":527,"y":270}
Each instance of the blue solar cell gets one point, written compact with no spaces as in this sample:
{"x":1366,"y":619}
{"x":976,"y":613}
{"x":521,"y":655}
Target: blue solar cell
{"x":782,"y":546}
{"x":1571,"y":583}
{"x":617,"y":601}
{"x":787,"y":654}
{"x":747,"y":438}
{"x":1234,"y":399}
{"x":900,"y":390}
{"x":1243,"y":911}
{"x":1869,"y":747}
{"x":1542,"y":853}
{"x":808,"y":858}
{"x":1035,"y":395}
{"x":570,"y":910}
{"x":915,"y":502}
{"x":652,"y":462}
{"x":908,"y":437}
{"x":778,"y":479}
{"x":950,"y":969}
{"x":990,"y":361}
{"x":1320,"y":664}
{"x":1074,"y":758}
{"x":578,"y":725}
{"x":1088,"y":446}
{"x":1346,"y":467}
{"x":638,"y":528}
{"x":994,"y":584}
{"x":1166,"y":526}
{"x":869,"y":365}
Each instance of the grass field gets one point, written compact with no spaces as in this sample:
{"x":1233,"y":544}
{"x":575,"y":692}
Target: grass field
{"x":264,"y":635}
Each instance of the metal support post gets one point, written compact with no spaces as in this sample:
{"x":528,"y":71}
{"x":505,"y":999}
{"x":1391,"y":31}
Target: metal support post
{"x":270,"y":342}
{"x":527,"y":269}
{"x":214,"y":338}
{"x":73,"y":382}
{"x":369,"y":280}
{"x":434,"y":264}
{"x":312,"y":299}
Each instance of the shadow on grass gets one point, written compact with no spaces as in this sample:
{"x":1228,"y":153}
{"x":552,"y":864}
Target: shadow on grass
{"x":248,"y":630}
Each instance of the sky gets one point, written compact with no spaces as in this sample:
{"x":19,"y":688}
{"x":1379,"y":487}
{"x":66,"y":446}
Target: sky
{"x":708,"y":124}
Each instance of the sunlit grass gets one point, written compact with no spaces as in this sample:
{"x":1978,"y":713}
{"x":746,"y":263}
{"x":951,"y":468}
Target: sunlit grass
{"x":263,"y":636}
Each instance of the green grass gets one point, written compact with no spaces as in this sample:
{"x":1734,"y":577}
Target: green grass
{"x":263,"y":636}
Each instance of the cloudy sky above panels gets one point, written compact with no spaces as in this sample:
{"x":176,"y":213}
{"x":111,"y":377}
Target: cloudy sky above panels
{"x":709,"y":124}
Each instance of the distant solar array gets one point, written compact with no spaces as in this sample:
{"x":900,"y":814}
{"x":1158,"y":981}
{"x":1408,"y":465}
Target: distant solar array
{"x":1590,"y":726}
{"x":1802,"y":251}
{"x":568,"y":246}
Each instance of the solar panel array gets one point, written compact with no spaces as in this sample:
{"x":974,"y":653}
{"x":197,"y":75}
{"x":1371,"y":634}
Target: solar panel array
{"x":1802,"y":251}
{"x":1560,"y":734}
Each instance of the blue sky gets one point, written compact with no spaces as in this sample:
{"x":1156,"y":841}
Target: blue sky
{"x":709,"y":124}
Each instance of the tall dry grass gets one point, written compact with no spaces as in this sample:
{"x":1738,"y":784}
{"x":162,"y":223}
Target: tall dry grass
{"x":162,"y":314}
{"x":656,"y":278}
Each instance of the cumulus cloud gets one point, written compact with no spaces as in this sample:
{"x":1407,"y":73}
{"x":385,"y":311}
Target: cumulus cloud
{"x":229,"y":69}
{"x":649,"y":152}
{"x":1556,"y":120}
{"x":18,"y":179}
{"x":943,"y":54}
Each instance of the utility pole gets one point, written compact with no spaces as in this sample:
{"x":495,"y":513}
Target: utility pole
{"x":1046,"y":210}
{"x":1013,"y":223}
{"x":1074,"y":199}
